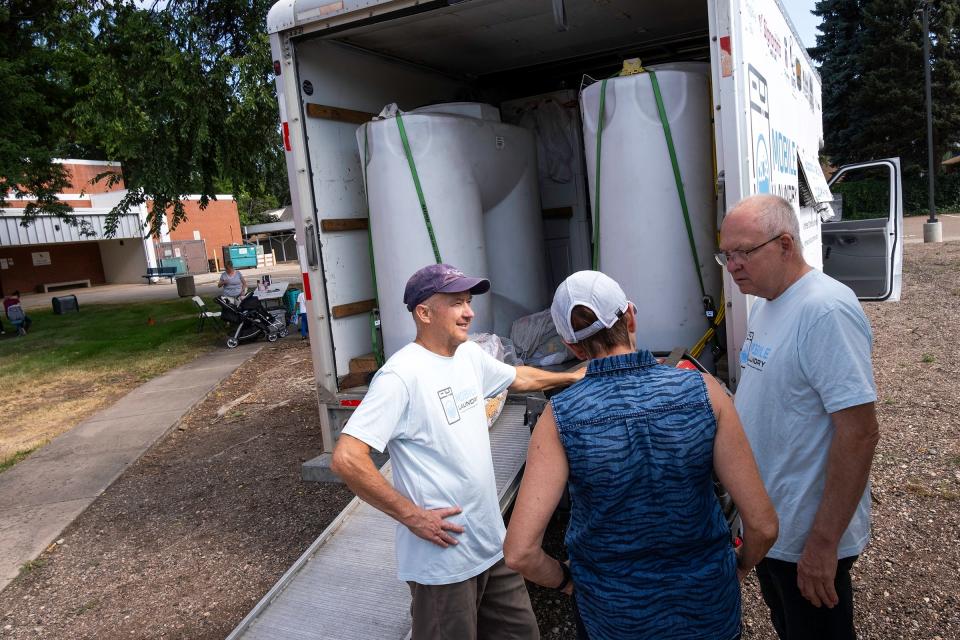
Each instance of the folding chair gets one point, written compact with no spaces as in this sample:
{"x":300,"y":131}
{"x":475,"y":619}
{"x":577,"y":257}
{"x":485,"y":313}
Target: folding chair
{"x":204,"y":314}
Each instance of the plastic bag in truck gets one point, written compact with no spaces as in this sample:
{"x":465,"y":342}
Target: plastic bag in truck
{"x":537,"y":342}
{"x":555,"y":143}
{"x":491,"y":343}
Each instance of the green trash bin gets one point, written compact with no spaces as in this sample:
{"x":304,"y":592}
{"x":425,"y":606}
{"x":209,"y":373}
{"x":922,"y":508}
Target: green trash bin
{"x":290,"y":301}
{"x":243,"y":256}
{"x":180,"y":264}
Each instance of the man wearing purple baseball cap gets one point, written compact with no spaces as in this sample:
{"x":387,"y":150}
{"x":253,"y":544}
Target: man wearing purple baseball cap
{"x":426,"y":407}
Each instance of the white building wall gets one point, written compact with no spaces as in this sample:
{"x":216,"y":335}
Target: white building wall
{"x":51,"y":230}
{"x":124,"y":261}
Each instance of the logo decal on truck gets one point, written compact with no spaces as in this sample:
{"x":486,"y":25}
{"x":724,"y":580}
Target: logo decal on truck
{"x":760,"y":130}
{"x":761,"y":158}
{"x":773,"y":153}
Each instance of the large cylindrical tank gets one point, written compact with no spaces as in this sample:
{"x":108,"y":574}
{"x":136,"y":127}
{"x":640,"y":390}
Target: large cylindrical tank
{"x":479,"y":180}
{"x":643,"y":240}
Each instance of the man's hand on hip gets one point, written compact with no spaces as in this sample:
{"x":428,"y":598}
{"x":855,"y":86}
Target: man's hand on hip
{"x":816,"y":572}
{"x":430,"y":525}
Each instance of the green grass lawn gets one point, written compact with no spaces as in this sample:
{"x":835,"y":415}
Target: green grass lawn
{"x":71,"y":365}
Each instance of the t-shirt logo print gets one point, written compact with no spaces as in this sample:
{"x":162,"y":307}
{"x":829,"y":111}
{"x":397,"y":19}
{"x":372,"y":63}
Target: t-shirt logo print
{"x":449,"y":405}
{"x":754,"y":355}
{"x":745,"y":350}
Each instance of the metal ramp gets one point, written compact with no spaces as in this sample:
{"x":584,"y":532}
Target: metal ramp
{"x":345,"y":585}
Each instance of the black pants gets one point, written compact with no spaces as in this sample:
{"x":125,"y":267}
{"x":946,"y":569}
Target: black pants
{"x":793,"y":616}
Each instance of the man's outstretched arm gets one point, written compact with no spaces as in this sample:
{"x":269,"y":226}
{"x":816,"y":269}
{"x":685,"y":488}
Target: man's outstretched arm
{"x":351,"y":461}
{"x":533,"y":379}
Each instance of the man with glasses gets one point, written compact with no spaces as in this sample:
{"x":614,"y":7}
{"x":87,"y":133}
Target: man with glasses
{"x":806,"y":397}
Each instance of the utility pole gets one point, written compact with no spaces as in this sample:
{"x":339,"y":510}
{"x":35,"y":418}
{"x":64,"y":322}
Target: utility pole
{"x":932,"y":230}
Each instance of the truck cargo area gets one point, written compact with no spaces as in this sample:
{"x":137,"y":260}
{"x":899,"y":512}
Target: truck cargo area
{"x":513,"y":55}
{"x":516,"y":56}
{"x":743,"y":115}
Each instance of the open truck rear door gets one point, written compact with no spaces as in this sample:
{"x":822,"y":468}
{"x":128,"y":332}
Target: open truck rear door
{"x":863,"y":248}
{"x":768,"y":116}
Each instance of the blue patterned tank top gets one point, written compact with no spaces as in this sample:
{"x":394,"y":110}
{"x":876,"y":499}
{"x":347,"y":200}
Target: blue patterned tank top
{"x":649,"y":548}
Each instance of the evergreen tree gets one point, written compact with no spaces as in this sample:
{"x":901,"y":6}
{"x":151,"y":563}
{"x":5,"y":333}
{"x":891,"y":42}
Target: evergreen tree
{"x":837,"y":51}
{"x":945,"y":51}
{"x":39,"y":76}
{"x":871,"y":55}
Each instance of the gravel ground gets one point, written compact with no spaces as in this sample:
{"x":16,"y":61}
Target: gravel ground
{"x":907,"y":583}
{"x":192,"y":535}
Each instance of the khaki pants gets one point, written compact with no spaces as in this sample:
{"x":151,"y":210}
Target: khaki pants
{"x":494,"y":604}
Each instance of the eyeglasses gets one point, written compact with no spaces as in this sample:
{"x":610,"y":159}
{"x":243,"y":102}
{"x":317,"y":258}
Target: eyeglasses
{"x":741,"y":255}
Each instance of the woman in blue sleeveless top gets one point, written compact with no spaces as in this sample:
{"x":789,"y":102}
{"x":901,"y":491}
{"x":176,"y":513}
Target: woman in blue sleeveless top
{"x":650,"y":551}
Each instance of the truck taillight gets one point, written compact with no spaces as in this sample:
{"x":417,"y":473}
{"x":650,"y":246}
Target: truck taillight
{"x":306,"y":286}
{"x":286,"y":137}
{"x":277,"y":68}
{"x":349,"y":403}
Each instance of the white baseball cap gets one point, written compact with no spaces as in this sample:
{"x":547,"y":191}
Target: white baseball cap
{"x":598,"y":292}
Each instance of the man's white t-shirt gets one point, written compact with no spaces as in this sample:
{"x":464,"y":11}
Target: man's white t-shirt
{"x":807,"y":355}
{"x":427,"y":411}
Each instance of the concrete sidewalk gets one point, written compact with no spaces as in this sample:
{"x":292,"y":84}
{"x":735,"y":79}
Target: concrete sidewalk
{"x":43,"y":494}
{"x":913,"y":228}
{"x":206,"y":286}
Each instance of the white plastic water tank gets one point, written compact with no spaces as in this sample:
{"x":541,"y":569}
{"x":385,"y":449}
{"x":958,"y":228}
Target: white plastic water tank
{"x":479,"y":179}
{"x":643,"y":240}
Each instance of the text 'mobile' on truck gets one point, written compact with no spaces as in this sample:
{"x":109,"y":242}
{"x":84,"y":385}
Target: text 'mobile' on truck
{"x":523,"y":140}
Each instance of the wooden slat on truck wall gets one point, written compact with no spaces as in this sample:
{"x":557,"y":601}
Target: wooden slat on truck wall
{"x":343,"y":224}
{"x":338,"y":114}
{"x":363,"y":364}
{"x":353,"y":308}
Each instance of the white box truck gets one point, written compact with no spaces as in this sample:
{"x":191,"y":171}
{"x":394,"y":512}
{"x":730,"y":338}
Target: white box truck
{"x":337,"y":63}
{"x":754,"y":106}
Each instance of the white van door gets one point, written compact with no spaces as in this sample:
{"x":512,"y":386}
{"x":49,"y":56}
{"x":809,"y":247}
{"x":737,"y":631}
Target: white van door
{"x":863,"y":247}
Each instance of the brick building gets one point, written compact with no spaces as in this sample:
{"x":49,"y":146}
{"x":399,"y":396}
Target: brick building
{"x":217,"y":225}
{"x":50,"y":254}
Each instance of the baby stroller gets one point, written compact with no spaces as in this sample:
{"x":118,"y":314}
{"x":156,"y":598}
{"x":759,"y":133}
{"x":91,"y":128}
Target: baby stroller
{"x":247,"y":320}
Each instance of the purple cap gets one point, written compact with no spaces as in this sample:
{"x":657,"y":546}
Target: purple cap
{"x":440,"y":278}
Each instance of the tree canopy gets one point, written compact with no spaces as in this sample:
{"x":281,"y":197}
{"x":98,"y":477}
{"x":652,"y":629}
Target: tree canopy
{"x":871,"y":55}
{"x":39,"y":75}
{"x":180,"y":92}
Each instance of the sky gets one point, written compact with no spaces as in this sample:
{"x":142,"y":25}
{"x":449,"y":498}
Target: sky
{"x":805,"y":22}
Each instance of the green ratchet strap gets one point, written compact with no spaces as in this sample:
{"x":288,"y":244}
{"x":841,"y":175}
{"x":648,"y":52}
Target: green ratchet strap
{"x":676,"y":176}
{"x":416,"y":183}
{"x":374,"y":335}
{"x":596,"y":179}
{"x":683,"y":201}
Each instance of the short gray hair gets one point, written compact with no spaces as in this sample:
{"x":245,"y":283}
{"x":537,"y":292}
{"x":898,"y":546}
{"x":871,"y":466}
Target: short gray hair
{"x":777,"y":217}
